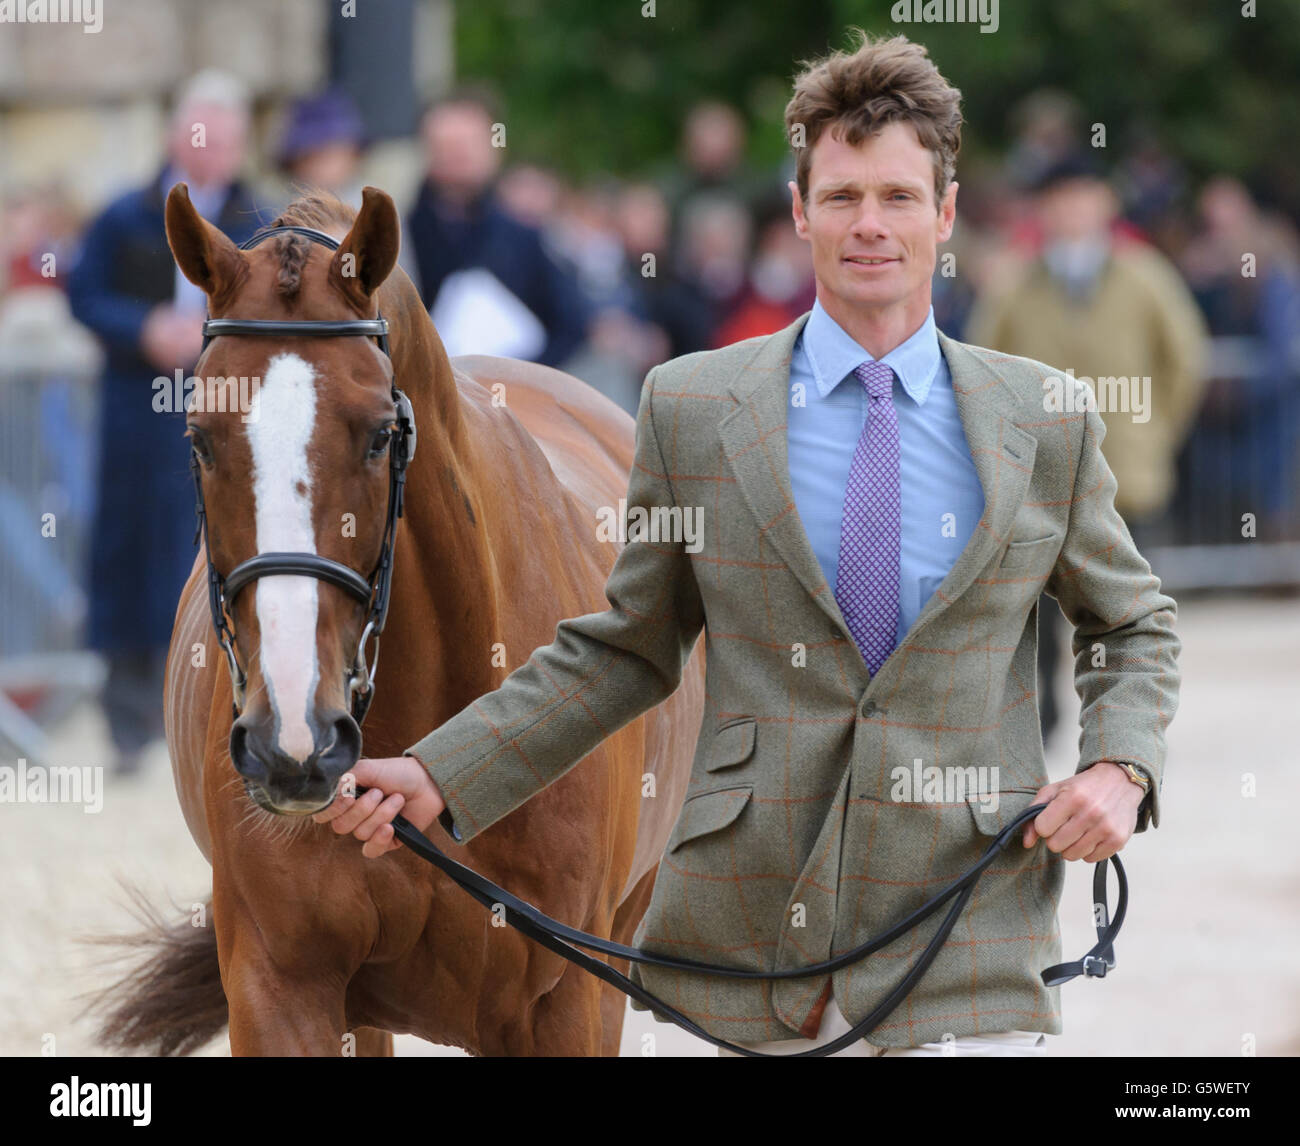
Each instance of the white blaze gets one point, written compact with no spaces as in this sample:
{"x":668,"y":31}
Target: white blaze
{"x":279,"y":430}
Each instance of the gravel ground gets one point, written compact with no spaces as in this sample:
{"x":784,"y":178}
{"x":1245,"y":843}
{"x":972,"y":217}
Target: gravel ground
{"x":1206,"y":959}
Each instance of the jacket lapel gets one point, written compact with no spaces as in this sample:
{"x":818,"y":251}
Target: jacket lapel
{"x":1003,"y":453}
{"x":753,"y":439}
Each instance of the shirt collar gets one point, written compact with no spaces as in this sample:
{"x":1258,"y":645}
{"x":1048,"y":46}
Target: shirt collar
{"x":834,"y":355}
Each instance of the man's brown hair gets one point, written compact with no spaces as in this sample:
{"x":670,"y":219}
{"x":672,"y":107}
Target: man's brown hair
{"x":855,"y":93}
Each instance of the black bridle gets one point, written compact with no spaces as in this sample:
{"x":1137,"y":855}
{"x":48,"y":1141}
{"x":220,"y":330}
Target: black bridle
{"x":371,"y":592}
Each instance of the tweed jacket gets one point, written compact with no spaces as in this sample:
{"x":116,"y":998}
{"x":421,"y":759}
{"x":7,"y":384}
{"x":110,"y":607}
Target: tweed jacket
{"x":795,"y":841}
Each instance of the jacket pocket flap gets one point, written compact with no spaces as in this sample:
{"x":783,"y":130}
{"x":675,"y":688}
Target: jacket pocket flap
{"x":1025,"y":552}
{"x":732,"y":744}
{"x":708,"y":812}
{"x":992,"y":816}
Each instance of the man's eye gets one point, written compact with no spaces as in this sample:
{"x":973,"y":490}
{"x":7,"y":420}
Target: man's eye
{"x":380,"y":442}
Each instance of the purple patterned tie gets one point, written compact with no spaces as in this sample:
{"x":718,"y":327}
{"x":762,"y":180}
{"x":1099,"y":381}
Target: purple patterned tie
{"x":867,"y":582}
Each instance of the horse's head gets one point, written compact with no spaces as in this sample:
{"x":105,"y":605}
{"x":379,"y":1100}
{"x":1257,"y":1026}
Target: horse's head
{"x":295,"y":460}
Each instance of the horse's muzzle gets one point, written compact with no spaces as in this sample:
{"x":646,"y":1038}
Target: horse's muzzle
{"x":282,"y":784}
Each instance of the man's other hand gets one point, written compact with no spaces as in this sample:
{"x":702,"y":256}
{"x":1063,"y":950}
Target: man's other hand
{"x":1089,"y":816}
{"x":395,"y":784}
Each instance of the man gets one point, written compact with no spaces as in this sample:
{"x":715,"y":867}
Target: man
{"x":710,"y":171}
{"x":486,"y":277}
{"x":127,"y":290}
{"x":1105,"y":308}
{"x":882,"y":505}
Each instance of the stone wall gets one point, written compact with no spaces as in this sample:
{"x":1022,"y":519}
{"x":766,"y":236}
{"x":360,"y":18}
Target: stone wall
{"x":88,"y":110}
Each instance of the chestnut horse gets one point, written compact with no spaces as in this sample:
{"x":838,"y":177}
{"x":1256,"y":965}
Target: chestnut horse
{"x":498,"y":543}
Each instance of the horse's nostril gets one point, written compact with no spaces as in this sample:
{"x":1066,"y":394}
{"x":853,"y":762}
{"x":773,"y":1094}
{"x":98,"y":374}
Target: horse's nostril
{"x":342,"y":749}
{"x":247,"y":761}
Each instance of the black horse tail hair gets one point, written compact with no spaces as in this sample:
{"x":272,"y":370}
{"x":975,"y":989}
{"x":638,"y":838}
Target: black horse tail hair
{"x":170,"y":1002}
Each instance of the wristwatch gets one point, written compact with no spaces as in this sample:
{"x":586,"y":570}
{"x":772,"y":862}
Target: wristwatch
{"x":1141,"y":779}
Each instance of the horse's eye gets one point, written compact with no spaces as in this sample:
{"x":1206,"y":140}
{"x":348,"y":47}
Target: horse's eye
{"x":379,"y":444}
{"x":200,"y":446}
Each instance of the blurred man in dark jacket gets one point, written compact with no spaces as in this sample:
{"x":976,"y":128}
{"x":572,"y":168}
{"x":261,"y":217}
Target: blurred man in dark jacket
{"x":486,"y":277}
{"x":126,"y":288}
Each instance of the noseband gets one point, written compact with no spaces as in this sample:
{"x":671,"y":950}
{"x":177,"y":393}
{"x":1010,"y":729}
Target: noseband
{"x":372,"y":592}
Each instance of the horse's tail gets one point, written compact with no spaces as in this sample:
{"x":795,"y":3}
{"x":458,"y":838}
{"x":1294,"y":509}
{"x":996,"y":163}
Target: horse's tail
{"x":171,"y":1001}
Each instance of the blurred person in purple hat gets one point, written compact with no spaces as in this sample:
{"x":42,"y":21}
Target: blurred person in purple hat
{"x":322,"y":143}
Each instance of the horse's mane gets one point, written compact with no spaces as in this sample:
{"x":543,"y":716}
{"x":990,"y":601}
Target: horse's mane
{"x":317,"y":209}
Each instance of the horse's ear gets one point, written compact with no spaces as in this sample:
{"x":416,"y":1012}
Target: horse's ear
{"x":367,"y":256}
{"x":204,"y":254}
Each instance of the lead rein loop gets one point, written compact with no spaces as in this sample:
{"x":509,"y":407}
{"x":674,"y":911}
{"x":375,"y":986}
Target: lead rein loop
{"x":565,"y":941}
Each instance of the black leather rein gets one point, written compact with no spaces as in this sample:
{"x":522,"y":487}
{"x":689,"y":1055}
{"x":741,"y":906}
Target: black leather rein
{"x":565,"y":941}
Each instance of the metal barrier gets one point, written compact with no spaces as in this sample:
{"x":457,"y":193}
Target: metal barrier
{"x":1235,"y":518}
{"x":48,"y":445}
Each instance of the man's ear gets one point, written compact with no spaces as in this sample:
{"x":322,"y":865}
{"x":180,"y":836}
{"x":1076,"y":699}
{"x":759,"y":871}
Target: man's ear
{"x":796,"y":211}
{"x":947,"y":212}
{"x":204,"y":254}
{"x":367,"y":255}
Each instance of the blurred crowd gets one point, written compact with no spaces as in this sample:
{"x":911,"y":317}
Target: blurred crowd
{"x":1125,"y":267}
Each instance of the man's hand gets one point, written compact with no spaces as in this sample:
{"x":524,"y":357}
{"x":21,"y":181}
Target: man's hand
{"x":396,"y":784}
{"x":1090,"y":816}
{"x":171,"y":338}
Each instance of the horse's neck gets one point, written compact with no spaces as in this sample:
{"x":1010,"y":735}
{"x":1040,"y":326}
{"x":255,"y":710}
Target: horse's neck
{"x":446,"y":588}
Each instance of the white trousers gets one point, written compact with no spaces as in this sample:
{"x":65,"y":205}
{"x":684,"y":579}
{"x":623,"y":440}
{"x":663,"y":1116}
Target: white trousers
{"x":1002,"y":1044}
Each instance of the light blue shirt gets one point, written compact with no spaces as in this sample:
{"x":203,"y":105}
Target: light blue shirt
{"x":942,"y":499}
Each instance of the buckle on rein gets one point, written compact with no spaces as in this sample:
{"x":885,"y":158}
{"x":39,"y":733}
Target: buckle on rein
{"x":1089,"y":962}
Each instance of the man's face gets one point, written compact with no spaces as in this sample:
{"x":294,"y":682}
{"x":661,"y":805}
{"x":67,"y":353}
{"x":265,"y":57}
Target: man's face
{"x":1076,"y":209}
{"x":458,"y":148}
{"x":872,"y":220}
{"x":221,"y":154}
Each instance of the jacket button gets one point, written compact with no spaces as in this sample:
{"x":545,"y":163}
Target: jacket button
{"x":869,"y":709}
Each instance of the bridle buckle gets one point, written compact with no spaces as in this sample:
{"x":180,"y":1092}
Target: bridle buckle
{"x":1089,"y":962}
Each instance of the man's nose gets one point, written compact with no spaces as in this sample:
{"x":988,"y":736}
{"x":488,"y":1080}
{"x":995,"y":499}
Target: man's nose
{"x":869,"y":222}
